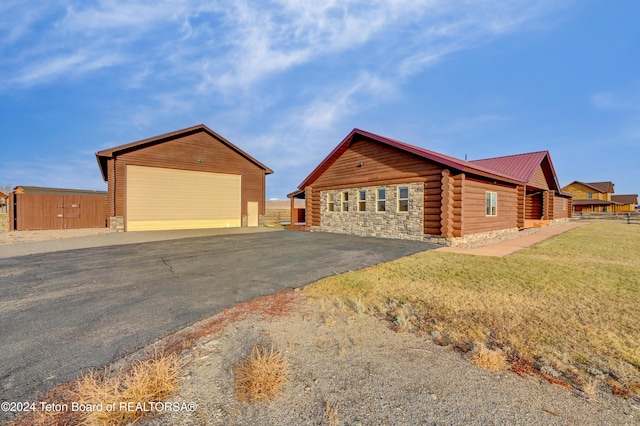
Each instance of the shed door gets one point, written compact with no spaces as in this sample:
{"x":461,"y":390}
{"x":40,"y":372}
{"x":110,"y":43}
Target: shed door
{"x":160,"y":198}
{"x":252,"y":213}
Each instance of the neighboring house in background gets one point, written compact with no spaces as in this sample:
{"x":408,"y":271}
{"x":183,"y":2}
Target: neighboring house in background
{"x":4,"y":203}
{"x":598,"y":197}
{"x":187,"y":179}
{"x":370,"y":185}
{"x":626,"y":203}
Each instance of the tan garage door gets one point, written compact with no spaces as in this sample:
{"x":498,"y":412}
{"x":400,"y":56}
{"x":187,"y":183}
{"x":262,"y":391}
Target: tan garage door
{"x":160,"y":198}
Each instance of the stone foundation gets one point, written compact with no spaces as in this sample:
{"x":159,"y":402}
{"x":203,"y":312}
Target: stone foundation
{"x":116,"y":223}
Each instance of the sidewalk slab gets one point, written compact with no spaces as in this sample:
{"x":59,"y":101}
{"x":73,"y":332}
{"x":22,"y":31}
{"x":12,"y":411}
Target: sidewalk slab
{"x":506,"y":248}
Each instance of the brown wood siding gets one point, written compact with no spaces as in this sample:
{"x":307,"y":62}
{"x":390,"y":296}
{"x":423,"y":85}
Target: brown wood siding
{"x":474,"y":213}
{"x":533,"y":210}
{"x":458,"y":204}
{"x":382,"y":165}
{"x":54,"y":211}
{"x":432,"y":204}
{"x":184,"y":153}
{"x":522,"y":203}
{"x":538,"y":180}
{"x":558,"y":211}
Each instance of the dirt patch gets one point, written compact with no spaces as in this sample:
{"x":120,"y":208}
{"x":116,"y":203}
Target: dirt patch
{"x":348,"y":368}
{"x":49,"y":234}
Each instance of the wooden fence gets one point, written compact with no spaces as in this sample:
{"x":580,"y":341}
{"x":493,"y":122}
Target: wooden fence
{"x":632,"y":218}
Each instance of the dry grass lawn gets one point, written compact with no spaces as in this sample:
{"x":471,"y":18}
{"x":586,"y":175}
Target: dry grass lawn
{"x":567,"y":308}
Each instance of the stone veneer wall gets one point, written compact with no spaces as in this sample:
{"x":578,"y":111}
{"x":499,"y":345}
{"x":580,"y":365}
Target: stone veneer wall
{"x":370,"y":223}
{"x":116,"y":223}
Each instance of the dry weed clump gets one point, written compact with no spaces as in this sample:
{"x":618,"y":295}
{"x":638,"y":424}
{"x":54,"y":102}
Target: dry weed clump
{"x":489,"y":359}
{"x":147,"y":382}
{"x":332,"y":414}
{"x":260,"y":376}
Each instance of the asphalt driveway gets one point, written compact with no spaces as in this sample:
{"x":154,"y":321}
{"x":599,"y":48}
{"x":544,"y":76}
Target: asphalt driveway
{"x":64,"y":312}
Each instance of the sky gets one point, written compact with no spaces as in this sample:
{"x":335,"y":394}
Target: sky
{"x":287,"y":80}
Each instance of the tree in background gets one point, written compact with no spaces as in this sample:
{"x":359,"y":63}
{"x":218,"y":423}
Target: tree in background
{"x":5,"y":188}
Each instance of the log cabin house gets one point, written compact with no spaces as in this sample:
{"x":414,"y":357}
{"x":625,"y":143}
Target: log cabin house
{"x":370,"y":185}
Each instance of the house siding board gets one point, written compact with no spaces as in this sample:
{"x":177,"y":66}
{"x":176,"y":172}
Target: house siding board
{"x":475,"y":218}
{"x":539,"y":179}
{"x":533,"y":206}
{"x":559,"y":210}
{"x":381,"y":164}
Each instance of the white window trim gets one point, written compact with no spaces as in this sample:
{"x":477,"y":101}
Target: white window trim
{"x":331,"y":202}
{"x":362,"y":201}
{"x":400,"y":199}
{"x":378,"y":200}
{"x":488,"y":208}
{"x":344,"y":201}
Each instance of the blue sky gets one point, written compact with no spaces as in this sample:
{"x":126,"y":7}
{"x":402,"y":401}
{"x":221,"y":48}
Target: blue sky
{"x":287,"y":80}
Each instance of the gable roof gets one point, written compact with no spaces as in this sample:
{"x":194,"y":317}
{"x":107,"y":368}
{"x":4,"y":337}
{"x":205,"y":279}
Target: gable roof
{"x":105,"y":154}
{"x":521,"y":166}
{"x":625,"y":198}
{"x":602,"y":187}
{"x":454,"y":163}
{"x":3,"y":195}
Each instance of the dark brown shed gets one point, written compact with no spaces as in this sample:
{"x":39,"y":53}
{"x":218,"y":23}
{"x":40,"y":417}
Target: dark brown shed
{"x":32,"y":208}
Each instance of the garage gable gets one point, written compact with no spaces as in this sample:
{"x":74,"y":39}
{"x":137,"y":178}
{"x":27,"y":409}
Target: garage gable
{"x":192,"y":178}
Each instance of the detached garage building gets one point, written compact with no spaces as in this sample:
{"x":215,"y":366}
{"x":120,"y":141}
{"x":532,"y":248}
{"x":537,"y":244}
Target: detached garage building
{"x":188,"y":179}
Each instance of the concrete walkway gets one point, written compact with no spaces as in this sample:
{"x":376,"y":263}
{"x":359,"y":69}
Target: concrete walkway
{"x":508,"y":247}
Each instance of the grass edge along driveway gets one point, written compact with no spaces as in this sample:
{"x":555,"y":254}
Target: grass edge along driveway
{"x":566,"y":308}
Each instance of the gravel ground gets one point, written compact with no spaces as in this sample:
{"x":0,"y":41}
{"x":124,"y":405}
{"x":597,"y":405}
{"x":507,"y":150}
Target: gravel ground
{"x":352,"y":369}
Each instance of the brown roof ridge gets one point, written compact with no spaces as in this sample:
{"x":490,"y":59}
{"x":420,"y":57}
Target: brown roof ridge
{"x":625,"y":198}
{"x":598,"y":186}
{"x":102,"y":155}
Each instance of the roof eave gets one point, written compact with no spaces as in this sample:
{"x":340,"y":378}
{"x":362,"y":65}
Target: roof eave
{"x":109,"y":153}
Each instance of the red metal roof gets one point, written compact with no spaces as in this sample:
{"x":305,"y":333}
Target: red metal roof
{"x":520,"y":166}
{"x":454,"y":163}
{"x":103,"y":155}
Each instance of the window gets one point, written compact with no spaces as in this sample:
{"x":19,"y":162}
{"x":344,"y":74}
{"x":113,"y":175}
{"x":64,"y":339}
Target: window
{"x":362,"y":200}
{"x":491,"y":203}
{"x":590,"y":195}
{"x":330,"y":203}
{"x":403,"y":198}
{"x":564,"y":204}
{"x":345,"y":201}
{"x":381,"y":199}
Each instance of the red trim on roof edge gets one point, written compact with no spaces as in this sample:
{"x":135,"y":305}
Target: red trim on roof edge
{"x":445,"y":160}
